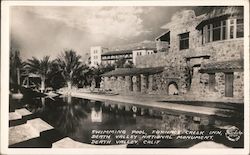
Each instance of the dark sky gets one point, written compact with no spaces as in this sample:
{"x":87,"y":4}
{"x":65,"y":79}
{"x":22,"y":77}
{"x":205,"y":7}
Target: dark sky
{"x":39,"y":31}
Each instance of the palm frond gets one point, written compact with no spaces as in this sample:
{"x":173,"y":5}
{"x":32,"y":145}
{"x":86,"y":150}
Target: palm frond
{"x":69,"y":64}
{"x":41,"y":67}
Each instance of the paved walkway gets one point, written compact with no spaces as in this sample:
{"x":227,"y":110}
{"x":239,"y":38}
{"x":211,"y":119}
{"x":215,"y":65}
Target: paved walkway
{"x":158,"y":102}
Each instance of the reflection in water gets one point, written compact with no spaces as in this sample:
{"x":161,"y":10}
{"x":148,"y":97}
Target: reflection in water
{"x":96,"y":113}
{"x":35,"y":106}
{"x":69,"y":116}
{"x":67,"y":99}
{"x":43,"y":101}
{"x":76,"y":118}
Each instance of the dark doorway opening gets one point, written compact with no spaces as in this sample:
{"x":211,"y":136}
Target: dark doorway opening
{"x":173,"y":88}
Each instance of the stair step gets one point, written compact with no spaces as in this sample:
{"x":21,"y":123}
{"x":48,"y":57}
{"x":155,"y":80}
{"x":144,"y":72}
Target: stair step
{"x":21,"y":133}
{"x":14,"y":116}
{"x":23,"y":112}
{"x":39,"y":125}
{"x":70,"y":143}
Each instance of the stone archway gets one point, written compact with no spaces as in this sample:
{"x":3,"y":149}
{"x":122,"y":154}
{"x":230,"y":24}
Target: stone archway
{"x":173,"y":88}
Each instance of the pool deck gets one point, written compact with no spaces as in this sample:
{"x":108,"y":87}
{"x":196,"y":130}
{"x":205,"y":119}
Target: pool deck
{"x":159,"y":101}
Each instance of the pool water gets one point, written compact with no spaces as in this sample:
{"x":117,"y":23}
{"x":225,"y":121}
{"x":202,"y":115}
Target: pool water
{"x":78,"y":118}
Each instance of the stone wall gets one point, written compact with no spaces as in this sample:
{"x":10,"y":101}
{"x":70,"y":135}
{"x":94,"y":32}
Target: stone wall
{"x":225,"y":50}
{"x":162,"y":59}
{"x":239,"y":84}
{"x":151,"y":84}
{"x":218,"y":51}
{"x":220,"y":84}
{"x":219,"y":90}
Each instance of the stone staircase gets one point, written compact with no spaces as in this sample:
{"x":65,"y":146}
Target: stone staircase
{"x":28,"y":130}
{"x":36,"y":133}
{"x":18,"y":114}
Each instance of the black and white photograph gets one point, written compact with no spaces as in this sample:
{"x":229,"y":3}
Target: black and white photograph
{"x":128,"y":76}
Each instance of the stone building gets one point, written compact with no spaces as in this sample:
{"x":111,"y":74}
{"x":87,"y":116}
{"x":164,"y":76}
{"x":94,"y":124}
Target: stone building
{"x":95,"y":55}
{"x":141,"y":52}
{"x":110,"y":57}
{"x":197,"y":55}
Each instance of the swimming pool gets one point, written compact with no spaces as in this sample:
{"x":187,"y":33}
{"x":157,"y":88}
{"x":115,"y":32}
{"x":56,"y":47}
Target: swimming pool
{"x":104,"y":123}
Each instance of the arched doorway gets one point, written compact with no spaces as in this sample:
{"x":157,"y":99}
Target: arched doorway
{"x":173,"y":88}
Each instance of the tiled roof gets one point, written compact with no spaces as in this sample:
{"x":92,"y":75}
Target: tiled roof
{"x":144,"y":48}
{"x":143,"y":44}
{"x":117,"y":52}
{"x":197,"y":52}
{"x":223,"y":66}
{"x":225,"y":11}
{"x":133,"y":71}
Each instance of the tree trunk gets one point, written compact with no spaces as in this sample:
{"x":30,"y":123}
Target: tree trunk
{"x":42,"y":85}
{"x":69,"y":83}
{"x":18,"y":80}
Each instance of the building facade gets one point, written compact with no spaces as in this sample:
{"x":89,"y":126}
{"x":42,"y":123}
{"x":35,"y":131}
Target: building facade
{"x":111,"y":57}
{"x":141,"y":52}
{"x":95,"y":55}
{"x":200,"y":55}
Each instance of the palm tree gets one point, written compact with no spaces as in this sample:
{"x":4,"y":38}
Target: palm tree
{"x":70,"y":66}
{"x":16,"y":67}
{"x":40,"y":67}
{"x":95,"y":72}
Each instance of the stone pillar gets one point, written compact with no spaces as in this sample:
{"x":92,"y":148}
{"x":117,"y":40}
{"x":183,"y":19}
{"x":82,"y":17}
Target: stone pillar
{"x":136,"y":84}
{"x":134,"y":80}
{"x":106,"y":83}
{"x":102,"y":83}
{"x":120,"y":85}
{"x":123,"y":84}
{"x":113,"y":83}
{"x":144,"y":83}
{"x":128,"y":83}
{"x":150,"y":83}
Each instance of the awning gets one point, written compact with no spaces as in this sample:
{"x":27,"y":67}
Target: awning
{"x":224,"y":66}
{"x":164,"y":36}
{"x":133,"y":71}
